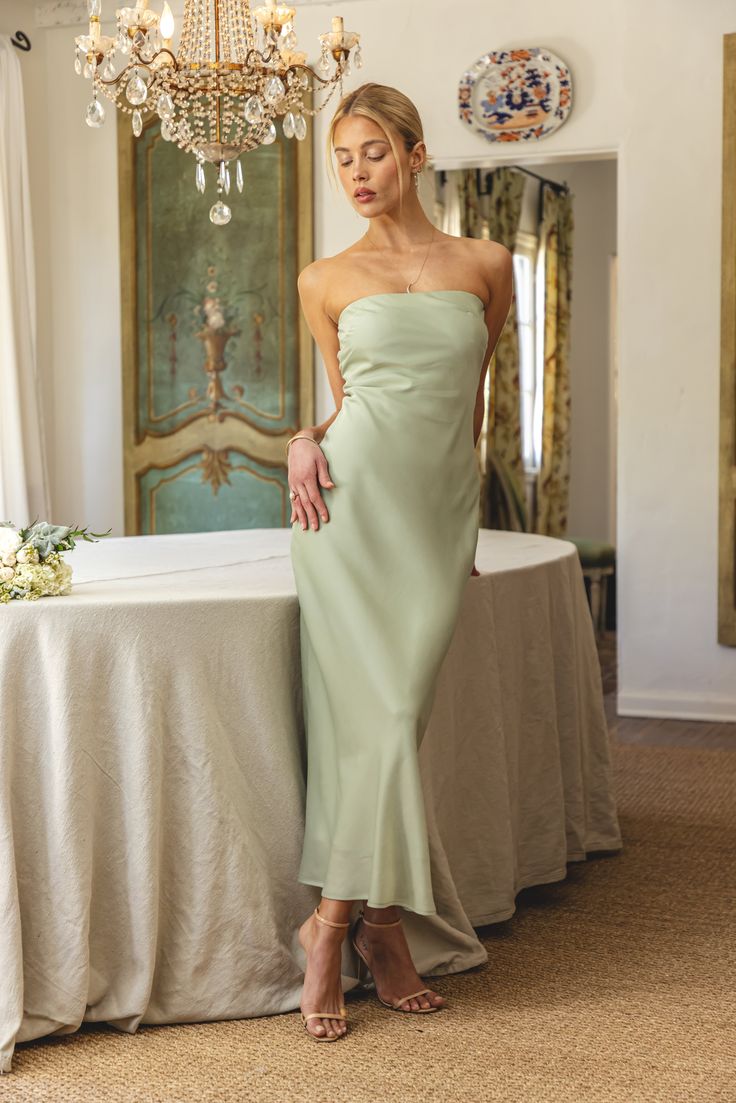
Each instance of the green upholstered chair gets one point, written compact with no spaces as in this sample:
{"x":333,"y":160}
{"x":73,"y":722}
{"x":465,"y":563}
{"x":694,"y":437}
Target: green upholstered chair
{"x":598,"y":561}
{"x":503,"y":508}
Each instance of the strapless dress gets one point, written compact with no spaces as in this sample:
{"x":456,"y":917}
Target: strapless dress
{"x":380,"y":586}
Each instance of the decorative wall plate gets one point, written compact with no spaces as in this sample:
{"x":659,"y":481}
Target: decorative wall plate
{"x":516,"y":95}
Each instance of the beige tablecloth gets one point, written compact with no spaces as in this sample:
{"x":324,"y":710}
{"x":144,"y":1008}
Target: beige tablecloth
{"x":152,"y":776}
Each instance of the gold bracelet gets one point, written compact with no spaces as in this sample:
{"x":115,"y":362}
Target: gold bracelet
{"x":301,"y":436}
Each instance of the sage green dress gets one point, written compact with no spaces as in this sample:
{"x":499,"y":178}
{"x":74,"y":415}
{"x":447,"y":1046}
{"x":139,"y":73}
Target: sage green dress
{"x":380,"y":586}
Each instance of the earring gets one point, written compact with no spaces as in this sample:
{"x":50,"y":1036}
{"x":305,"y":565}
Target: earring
{"x":415,"y":176}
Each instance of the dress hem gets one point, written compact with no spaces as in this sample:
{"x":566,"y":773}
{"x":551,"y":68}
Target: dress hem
{"x":364,"y":896}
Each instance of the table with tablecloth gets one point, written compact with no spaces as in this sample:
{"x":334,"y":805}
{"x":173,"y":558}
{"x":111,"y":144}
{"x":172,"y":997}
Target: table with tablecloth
{"x":152,"y":776}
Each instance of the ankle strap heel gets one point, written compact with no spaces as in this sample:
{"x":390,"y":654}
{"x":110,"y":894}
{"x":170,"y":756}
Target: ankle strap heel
{"x":368,"y":923}
{"x":364,"y":965}
{"x":329,"y":922}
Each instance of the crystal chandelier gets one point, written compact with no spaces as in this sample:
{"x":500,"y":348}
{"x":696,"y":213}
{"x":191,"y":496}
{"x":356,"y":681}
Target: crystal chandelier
{"x":234,"y":74}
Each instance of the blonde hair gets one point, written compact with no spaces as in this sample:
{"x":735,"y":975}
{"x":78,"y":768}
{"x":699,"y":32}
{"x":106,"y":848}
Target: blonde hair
{"x":390,"y":109}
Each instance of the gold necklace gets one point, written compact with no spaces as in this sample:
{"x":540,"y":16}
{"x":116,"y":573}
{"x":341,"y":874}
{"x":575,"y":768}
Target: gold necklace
{"x":416,"y":278}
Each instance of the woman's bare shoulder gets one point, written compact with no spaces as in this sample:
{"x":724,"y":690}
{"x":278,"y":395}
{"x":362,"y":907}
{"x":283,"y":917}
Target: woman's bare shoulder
{"x":495,"y":265}
{"x":473,"y":250}
{"x":491,"y":255}
{"x":323,"y":283}
{"x":317,"y":279}
{"x":312,"y":276}
{"x":480,"y":265}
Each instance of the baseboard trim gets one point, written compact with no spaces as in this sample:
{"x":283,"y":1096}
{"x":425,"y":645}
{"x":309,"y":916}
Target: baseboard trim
{"x":664,"y":707}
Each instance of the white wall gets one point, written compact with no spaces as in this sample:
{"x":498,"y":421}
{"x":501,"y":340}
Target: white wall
{"x":666,"y":132}
{"x":83,"y":263}
{"x":74,"y":209}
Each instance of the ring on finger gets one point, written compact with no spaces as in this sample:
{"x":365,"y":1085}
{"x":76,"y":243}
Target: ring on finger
{"x":293,"y":495}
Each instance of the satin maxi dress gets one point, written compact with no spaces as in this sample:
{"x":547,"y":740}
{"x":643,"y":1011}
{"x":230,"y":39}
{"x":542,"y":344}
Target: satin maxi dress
{"x":380,"y":586}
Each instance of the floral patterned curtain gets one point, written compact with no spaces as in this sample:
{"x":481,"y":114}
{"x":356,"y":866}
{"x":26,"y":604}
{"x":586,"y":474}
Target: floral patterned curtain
{"x":503,"y":430}
{"x":494,"y":216}
{"x":553,"y":480}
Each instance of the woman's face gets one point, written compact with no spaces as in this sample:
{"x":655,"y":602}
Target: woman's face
{"x":366,"y":166}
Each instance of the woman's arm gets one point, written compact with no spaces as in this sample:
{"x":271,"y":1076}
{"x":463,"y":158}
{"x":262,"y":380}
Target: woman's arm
{"x":307,"y":464}
{"x":498,"y":272}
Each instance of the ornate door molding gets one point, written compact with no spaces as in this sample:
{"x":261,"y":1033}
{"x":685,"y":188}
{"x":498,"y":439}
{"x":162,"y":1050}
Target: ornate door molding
{"x":727,"y":465}
{"x":217,"y":358}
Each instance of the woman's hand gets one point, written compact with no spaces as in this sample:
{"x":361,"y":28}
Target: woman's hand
{"x":308,"y":471}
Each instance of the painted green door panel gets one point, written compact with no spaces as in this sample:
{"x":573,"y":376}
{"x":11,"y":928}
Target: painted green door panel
{"x":217,"y":358}
{"x":208,"y":492}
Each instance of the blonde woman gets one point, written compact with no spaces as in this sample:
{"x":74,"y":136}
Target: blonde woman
{"x":384,"y":530}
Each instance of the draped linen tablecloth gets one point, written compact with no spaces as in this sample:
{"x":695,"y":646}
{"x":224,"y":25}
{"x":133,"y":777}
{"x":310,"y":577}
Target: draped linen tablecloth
{"x":152,"y":770}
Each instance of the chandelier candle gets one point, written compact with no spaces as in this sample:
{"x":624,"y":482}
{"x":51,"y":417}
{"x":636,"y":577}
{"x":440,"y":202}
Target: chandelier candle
{"x":235,"y":74}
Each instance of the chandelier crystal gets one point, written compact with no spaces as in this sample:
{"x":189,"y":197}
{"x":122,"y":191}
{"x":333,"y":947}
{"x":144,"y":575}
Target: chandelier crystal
{"x":235,"y":73}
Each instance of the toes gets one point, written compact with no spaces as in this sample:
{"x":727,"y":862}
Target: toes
{"x":317,"y":1028}
{"x":422,"y":1003}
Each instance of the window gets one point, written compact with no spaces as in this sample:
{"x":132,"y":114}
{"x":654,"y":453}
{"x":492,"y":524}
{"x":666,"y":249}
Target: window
{"x":529,"y":290}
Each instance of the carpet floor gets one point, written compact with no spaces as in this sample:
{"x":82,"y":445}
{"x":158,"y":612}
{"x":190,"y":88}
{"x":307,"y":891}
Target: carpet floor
{"x":615,"y":985}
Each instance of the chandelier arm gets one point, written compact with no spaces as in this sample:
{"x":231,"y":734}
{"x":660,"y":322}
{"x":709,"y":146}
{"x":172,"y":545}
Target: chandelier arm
{"x":322,"y":80}
{"x":116,"y":81}
{"x":164,"y":50}
{"x":119,"y":77}
{"x":254,"y":52}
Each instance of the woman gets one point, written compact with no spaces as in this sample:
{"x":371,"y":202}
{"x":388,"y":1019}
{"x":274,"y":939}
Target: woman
{"x":381,"y":573}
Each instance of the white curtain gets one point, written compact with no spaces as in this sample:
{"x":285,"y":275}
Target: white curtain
{"x":23,"y":471}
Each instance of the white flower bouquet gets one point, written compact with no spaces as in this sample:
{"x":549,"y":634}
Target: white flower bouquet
{"x":31,"y":565}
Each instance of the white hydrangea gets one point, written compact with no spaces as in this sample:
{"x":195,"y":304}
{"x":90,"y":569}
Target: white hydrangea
{"x":28,"y":555}
{"x":30,"y":581}
{"x":63,"y":578}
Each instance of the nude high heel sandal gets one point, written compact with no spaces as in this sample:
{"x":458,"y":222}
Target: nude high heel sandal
{"x":343,"y":1014}
{"x":364,"y":968}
